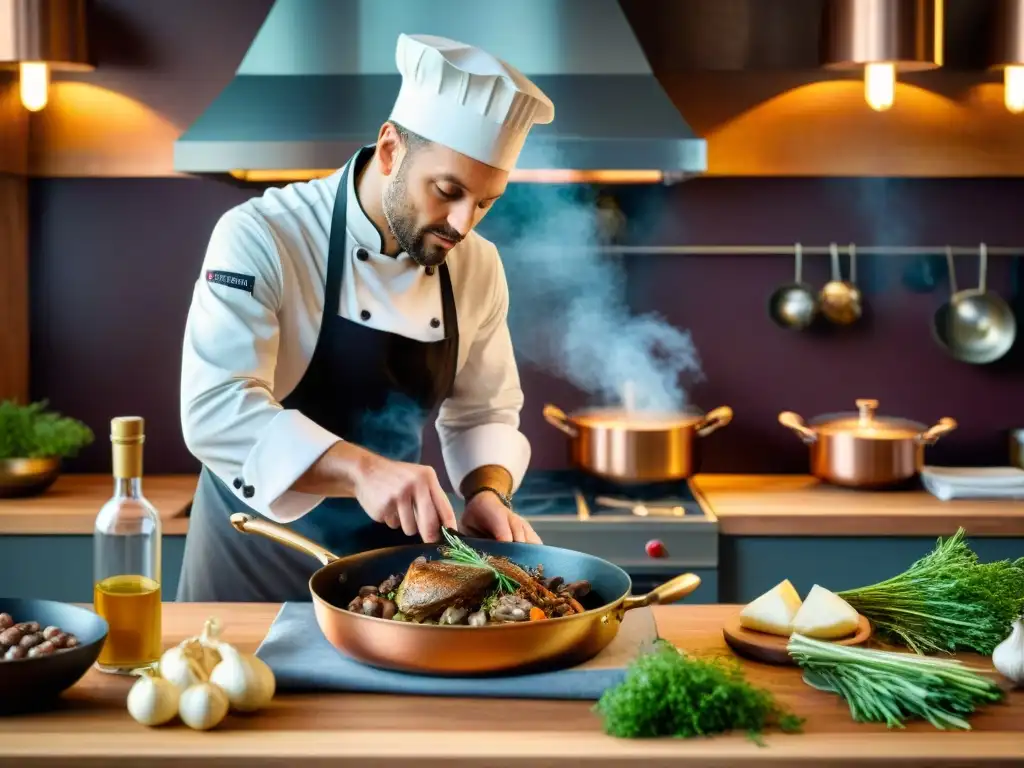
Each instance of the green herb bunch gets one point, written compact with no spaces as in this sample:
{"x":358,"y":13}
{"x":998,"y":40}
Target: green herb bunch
{"x":668,"y":693}
{"x":31,"y":432}
{"x":460,"y":552}
{"x":892,"y":687}
{"x":946,"y":601}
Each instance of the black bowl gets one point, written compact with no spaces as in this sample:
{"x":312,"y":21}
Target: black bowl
{"x":36,"y":683}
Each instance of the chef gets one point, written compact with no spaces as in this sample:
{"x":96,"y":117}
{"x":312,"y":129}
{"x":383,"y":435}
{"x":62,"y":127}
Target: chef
{"x":332,"y":317}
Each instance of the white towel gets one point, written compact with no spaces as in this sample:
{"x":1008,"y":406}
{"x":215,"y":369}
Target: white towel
{"x":947,"y":483}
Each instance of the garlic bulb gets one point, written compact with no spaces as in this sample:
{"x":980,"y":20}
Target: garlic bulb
{"x":153,"y":700}
{"x":1008,"y":656}
{"x":203,"y":706}
{"x":176,"y":663}
{"x":247,"y":680}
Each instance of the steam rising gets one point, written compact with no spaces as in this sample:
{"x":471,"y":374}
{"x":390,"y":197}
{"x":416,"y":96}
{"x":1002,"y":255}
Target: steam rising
{"x":568,"y":311}
{"x":394,"y":431}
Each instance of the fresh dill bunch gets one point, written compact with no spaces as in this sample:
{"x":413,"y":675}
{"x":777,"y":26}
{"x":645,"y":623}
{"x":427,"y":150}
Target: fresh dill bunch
{"x":460,"y":552}
{"x":945,"y":601}
{"x":668,"y":693}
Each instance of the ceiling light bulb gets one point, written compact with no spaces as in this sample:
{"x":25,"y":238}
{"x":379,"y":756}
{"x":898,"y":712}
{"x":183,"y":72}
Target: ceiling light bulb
{"x":1013,"y":88}
{"x":35,"y":84}
{"x":880,"y":85}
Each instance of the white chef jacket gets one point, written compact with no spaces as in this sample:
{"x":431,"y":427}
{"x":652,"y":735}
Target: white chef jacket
{"x":243,"y":353}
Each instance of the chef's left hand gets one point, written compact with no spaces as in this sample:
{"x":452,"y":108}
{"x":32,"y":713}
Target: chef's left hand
{"x":486,"y":517}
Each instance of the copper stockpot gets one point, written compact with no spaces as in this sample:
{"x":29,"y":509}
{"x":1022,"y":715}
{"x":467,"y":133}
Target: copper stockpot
{"x":430,"y":649}
{"x":636,"y":446}
{"x":863,"y":450}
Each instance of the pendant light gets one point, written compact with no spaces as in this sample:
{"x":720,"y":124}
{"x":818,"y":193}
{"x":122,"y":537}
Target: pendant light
{"x":37,"y":36}
{"x":882,"y":37}
{"x":1007,"y":52}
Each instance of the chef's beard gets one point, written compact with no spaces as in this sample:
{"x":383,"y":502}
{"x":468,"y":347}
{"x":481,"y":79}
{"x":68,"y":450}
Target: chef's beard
{"x":401,"y":217}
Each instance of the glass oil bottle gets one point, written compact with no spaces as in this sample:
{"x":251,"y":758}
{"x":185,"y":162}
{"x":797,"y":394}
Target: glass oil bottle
{"x":126,"y":559}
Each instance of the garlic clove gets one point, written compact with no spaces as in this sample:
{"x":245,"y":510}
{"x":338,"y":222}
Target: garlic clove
{"x":203,"y":706}
{"x":176,"y":667}
{"x":1008,"y":656}
{"x":244,"y":680}
{"x":269,"y":681}
{"x":153,"y":700}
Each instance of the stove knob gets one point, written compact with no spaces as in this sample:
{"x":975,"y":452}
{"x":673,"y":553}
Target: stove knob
{"x":655,"y":548}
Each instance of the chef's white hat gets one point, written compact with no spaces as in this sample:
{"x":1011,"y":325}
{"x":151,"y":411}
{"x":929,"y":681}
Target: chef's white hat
{"x":466,"y":99}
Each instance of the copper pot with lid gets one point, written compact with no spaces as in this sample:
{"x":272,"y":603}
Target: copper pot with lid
{"x":863,"y":449}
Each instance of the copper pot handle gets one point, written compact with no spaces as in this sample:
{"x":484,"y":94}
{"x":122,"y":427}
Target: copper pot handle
{"x":556,"y":417}
{"x":669,"y":592}
{"x":794,"y":422}
{"x":713,"y":420}
{"x":249,"y":524}
{"x":929,"y":437}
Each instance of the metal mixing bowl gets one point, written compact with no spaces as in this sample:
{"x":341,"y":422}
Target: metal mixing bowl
{"x":27,"y":477}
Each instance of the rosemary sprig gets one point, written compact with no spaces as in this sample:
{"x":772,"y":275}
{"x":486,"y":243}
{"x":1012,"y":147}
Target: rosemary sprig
{"x":460,"y":552}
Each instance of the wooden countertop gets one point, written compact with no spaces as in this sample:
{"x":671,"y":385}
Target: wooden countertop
{"x":92,"y":726}
{"x":70,"y":505}
{"x":799,"y":505}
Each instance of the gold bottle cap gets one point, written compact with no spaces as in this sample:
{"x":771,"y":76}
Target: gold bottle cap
{"x":127,"y":429}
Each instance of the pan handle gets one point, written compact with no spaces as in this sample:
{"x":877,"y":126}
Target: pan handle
{"x":556,"y":417}
{"x":932,"y":434}
{"x":716,"y":419}
{"x":794,"y":422}
{"x":669,"y":592}
{"x":249,"y":524}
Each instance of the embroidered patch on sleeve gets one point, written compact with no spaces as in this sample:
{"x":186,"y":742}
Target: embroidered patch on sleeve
{"x":231,"y":279}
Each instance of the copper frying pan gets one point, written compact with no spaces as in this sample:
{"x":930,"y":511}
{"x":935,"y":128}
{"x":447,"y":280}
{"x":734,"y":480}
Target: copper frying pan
{"x":430,"y":649}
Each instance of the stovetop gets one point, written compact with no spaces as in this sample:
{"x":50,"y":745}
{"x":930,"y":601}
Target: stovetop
{"x":570,"y":492}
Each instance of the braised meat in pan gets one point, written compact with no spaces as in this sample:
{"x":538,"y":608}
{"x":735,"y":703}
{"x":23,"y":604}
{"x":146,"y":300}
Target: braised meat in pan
{"x":467,"y":587}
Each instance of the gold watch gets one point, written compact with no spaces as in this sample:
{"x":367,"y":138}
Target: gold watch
{"x":506,"y":500}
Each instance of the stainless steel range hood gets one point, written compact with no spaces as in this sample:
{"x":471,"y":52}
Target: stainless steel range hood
{"x":319,"y":80}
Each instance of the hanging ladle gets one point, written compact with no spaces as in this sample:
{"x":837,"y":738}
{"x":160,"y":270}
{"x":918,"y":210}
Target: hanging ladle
{"x":840,"y":300}
{"x":975,"y":326}
{"x":794,"y":305}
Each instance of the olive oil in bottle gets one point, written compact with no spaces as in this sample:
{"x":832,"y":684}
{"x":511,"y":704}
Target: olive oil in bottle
{"x":126,"y":559}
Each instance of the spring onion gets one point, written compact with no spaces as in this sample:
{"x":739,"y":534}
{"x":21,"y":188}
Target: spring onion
{"x":892,"y":687}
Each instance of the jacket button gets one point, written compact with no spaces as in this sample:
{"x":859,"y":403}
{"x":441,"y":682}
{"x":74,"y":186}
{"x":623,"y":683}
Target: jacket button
{"x":434,"y":323}
{"x":362,"y":255}
{"x":248,"y":491}
{"x":237,"y":482}
{"x":365,"y":314}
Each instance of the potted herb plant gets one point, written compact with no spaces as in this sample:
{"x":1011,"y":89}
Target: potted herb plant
{"x":33,"y":441}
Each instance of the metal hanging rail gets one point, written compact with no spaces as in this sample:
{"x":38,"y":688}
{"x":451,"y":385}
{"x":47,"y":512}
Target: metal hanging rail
{"x":790,"y":250}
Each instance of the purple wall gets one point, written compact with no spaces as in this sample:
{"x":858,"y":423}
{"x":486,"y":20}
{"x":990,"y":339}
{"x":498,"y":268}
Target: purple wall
{"x":113,"y":263}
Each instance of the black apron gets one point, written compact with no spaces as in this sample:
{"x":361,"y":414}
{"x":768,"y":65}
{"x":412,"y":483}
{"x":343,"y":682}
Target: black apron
{"x":369,"y":387}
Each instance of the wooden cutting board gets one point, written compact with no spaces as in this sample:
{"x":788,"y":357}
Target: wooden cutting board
{"x":761,"y":646}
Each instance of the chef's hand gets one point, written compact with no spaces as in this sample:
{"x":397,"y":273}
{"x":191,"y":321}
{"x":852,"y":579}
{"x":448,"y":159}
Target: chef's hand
{"x":486,"y":517}
{"x":402,"y":495}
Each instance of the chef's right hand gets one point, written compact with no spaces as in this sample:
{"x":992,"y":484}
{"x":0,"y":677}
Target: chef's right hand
{"x":403,"y":495}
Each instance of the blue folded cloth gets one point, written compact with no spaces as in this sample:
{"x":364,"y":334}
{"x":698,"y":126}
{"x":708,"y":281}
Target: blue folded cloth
{"x":303,"y":660}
